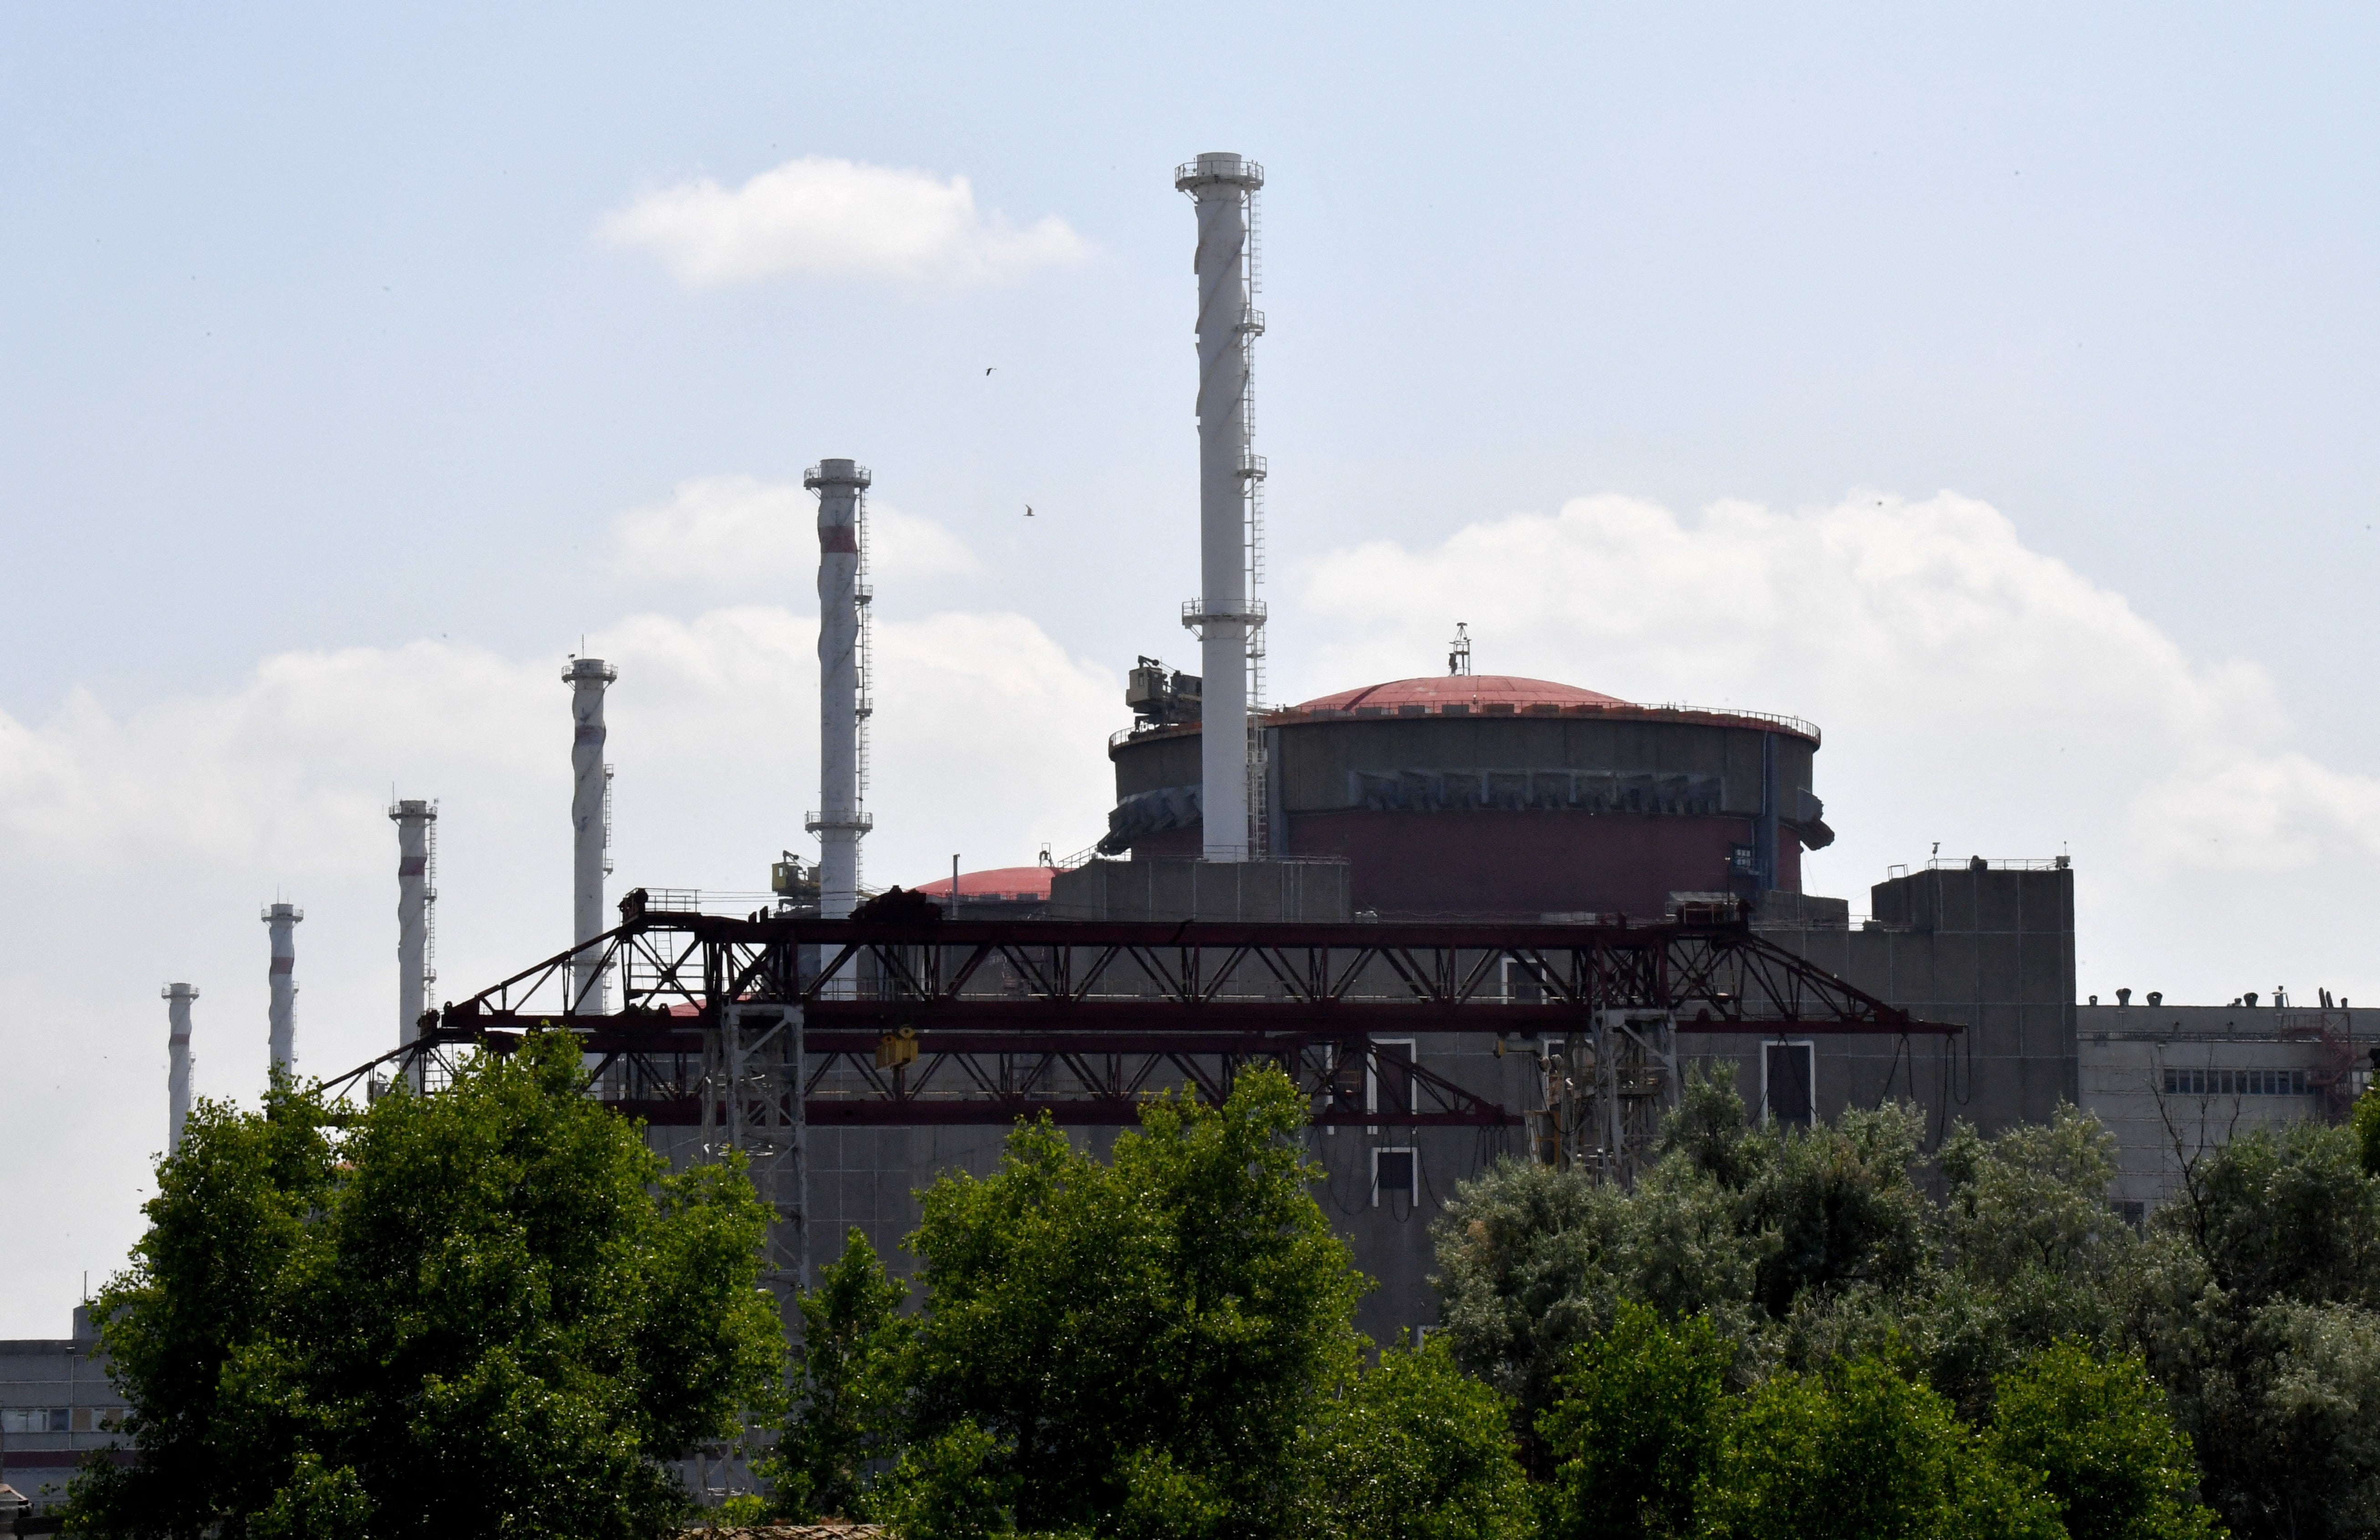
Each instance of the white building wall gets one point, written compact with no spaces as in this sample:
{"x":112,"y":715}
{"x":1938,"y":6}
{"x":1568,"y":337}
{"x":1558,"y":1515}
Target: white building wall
{"x":2174,"y":1082}
{"x":44,"y":1381}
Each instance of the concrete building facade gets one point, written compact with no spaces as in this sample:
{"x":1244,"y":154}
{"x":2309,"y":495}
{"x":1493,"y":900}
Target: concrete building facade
{"x":1986,"y":945}
{"x":55,"y":1407}
{"x":2174,"y":1082}
{"x":1495,"y":797}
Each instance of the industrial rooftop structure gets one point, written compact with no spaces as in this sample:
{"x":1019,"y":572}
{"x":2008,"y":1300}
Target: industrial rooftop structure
{"x":1489,"y":795}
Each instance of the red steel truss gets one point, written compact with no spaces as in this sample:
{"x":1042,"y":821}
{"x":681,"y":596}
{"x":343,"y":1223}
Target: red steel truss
{"x":921,"y":1020}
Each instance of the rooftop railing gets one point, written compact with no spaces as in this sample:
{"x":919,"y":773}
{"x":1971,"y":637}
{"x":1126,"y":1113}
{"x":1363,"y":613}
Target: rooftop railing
{"x":1718,"y":716}
{"x":1980,"y":863}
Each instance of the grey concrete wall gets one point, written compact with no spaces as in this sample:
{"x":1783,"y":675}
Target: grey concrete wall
{"x":1317,"y":755}
{"x":1391,"y":1240}
{"x":1170,"y":888}
{"x":1991,"y":951}
{"x":54,"y":1373}
{"x":2209,"y":1056}
{"x":870,"y":1178}
{"x":1153,"y":762}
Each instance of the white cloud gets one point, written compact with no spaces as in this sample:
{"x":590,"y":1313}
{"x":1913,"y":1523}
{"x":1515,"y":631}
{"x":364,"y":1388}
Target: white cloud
{"x":139,"y":848}
{"x":1972,"y":690}
{"x":829,"y":217}
{"x":740,"y":534}
{"x":2260,"y":813}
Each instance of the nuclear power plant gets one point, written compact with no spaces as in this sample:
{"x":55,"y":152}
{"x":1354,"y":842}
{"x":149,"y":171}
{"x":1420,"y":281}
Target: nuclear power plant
{"x":1474,"y":916}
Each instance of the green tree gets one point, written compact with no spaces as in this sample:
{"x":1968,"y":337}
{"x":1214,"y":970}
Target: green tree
{"x":1532,"y":1262}
{"x":1712,"y":1129}
{"x":1832,"y":1207}
{"x":2029,"y":1252}
{"x":959,"y":1485}
{"x":2323,"y":1405}
{"x":2027,"y":1215}
{"x":1157,"y":1327}
{"x":1641,"y":1413}
{"x":1415,"y":1450}
{"x":1762,"y":1230}
{"x":1839,"y":1205}
{"x":2257,"y":1305}
{"x":2365,"y":1119}
{"x":1862,"y":1453}
{"x":2097,"y":1434}
{"x":2285,"y":1213}
{"x":193,"y":1316}
{"x":485,"y":1311}
{"x":848,"y":1408}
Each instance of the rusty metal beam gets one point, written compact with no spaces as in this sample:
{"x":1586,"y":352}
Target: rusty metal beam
{"x":1078,"y":1019}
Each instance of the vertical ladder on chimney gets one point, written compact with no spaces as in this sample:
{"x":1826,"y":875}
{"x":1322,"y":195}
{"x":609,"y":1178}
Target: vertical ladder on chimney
{"x":430,"y":910}
{"x":1252,"y":480}
{"x":861,"y":595}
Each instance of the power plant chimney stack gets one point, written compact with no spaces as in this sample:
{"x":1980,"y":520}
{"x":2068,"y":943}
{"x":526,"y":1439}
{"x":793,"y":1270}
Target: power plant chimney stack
{"x":841,"y":486}
{"x":177,"y":999}
{"x":416,"y":846}
{"x":591,"y":828}
{"x":282,"y":919}
{"x":1228,"y":623}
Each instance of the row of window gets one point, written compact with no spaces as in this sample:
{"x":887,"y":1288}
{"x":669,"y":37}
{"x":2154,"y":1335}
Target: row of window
{"x":37,"y":1419}
{"x":2236,"y":1083}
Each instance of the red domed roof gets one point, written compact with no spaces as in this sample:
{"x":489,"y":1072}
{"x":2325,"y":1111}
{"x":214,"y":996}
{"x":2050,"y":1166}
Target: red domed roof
{"x":1002,"y":882}
{"x":1477,"y":689}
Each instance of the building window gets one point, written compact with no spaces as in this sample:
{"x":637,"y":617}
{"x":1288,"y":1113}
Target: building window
{"x":1788,"y":1084}
{"x":1395,"y":1172}
{"x":1393,"y":1077}
{"x":1348,"y":1080}
{"x":2134,"y":1212}
{"x":34,"y":1419}
{"x":2237,"y":1083}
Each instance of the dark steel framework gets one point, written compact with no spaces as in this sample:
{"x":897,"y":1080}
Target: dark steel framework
{"x":923,"y":1020}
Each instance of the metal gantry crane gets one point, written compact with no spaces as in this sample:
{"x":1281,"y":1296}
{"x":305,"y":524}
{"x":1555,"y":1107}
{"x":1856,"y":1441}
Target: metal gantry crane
{"x":755,"y":1029}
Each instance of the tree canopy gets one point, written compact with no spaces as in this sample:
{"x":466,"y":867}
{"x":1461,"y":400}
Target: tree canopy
{"x":486,"y":1311}
{"x":1156,"y":1344}
{"x":491,"y":1311}
{"x":2234,"y":1341}
{"x":1412,"y":1448}
{"x":1153,"y":1329}
{"x":1637,"y":1421}
{"x":849,"y":1413}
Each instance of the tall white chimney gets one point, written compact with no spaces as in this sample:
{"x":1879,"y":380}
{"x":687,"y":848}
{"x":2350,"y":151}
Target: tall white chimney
{"x":417,"y":843}
{"x":590,"y":783}
{"x":841,"y":486}
{"x":1224,"y":187}
{"x":283,"y":920}
{"x":177,"y":999}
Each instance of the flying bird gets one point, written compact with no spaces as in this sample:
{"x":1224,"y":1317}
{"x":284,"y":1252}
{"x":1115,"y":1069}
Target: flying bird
{"x":989,"y":371}
{"x":1029,"y":510}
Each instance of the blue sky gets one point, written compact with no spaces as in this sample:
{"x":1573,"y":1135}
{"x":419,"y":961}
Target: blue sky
{"x":308,"y":340}
{"x":1991,"y":384}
